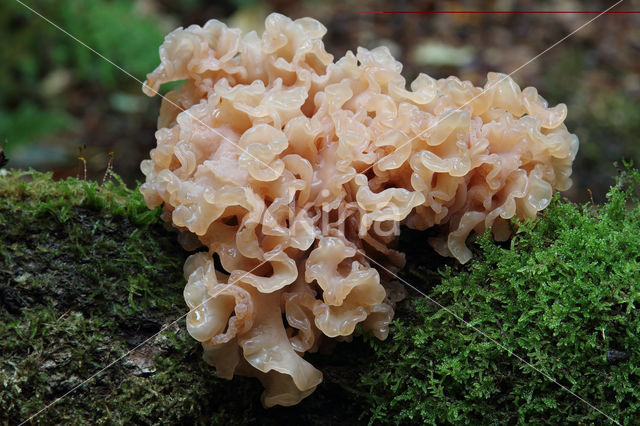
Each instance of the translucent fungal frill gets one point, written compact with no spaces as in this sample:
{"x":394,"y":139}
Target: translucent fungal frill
{"x":296,"y":171}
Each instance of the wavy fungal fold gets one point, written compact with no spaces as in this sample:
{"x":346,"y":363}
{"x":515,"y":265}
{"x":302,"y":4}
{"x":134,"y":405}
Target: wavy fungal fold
{"x":296,"y":171}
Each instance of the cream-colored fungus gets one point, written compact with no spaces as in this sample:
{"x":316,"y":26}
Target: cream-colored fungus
{"x":291,"y":167}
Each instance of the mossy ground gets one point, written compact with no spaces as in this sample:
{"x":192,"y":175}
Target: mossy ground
{"x":563,"y":295}
{"x":87,"y":273}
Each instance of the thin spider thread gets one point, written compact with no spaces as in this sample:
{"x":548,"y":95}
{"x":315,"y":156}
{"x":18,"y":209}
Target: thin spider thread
{"x":265,"y":261}
{"x":448,"y":114}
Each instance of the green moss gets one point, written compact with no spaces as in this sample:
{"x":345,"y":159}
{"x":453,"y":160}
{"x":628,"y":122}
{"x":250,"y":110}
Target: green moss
{"x":563,"y":295}
{"x":87,"y":273}
{"x":82,"y":268}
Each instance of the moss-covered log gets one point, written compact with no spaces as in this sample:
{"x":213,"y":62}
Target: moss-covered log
{"x":87,"y":273}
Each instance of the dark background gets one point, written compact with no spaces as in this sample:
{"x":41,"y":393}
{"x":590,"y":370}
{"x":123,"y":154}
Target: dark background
{"x":59,"y":101}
